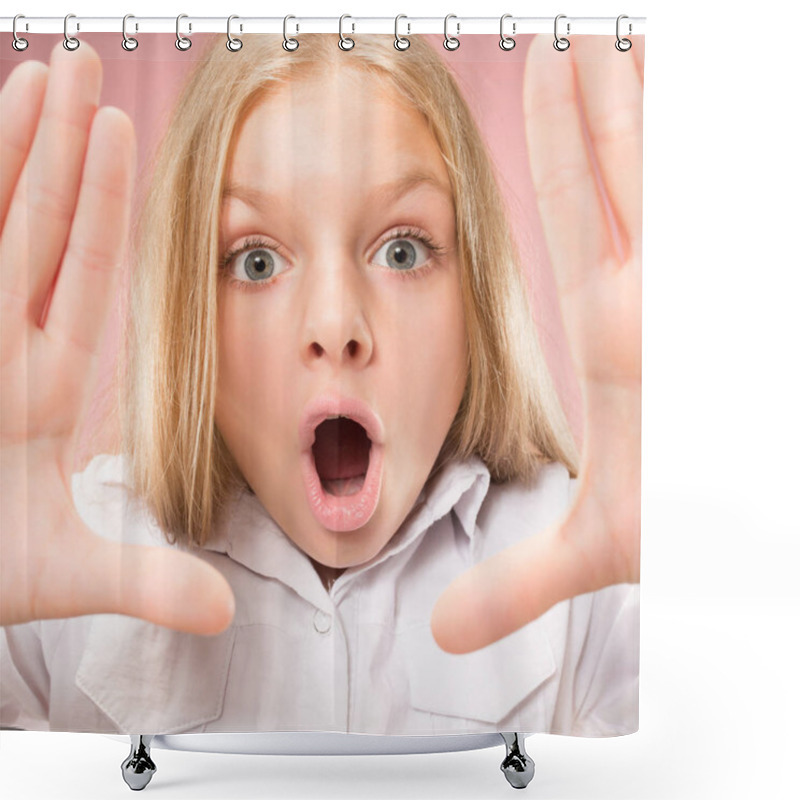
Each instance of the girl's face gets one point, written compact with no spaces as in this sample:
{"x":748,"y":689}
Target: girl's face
{"x":343,"y":296}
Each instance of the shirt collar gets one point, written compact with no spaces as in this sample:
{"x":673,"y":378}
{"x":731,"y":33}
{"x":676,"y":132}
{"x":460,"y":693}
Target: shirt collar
{"x":249,"y":535}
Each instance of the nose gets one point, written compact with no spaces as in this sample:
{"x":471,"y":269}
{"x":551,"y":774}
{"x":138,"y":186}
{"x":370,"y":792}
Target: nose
{"x":336,"y":328}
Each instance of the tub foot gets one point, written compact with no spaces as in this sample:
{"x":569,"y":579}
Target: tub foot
{"x":517,"y":766}
{"x":138,"y":768}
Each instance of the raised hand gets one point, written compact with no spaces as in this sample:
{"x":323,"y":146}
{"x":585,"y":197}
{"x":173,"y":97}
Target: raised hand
{"x":66,"y":182}
{"x":599,"y":279}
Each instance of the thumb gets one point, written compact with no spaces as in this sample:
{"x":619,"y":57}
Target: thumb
{"x":162,"y":585}
{"x":508,"y":590}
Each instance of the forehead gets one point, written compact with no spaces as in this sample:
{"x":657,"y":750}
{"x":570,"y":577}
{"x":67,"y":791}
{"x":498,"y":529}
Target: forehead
{"x":344,"y":124}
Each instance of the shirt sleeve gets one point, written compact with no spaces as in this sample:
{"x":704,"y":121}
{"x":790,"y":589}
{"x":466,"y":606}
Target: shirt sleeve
{"x":607,"y":674}
{"x":24,"y":678}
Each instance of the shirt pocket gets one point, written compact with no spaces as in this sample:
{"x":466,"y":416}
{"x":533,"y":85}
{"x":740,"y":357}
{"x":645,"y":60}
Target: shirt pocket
{"x":153,"y":680}
{"x":485,"y":685}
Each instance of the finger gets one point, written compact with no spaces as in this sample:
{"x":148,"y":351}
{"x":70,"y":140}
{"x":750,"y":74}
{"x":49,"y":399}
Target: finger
{"x":20,"y":106}
{"x":574,"y":221}
{"x":159,"y":584}
{"x":637,"y":49}
{"x":517,"y":585}
{"x":88,"y":277}
{"x":40,"y":215}
{"x":611,"y":91}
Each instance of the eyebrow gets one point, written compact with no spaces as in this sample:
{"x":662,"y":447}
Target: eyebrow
{"x":384,"y":194}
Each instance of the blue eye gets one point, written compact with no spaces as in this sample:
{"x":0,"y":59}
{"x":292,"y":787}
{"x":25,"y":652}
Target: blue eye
{"x":401,"y":254}
{"x":405,"y":250}
{"x":410,"y":252}
{"x":260,"y":263}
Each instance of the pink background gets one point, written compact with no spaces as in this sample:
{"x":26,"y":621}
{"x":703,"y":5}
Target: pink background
{"x":491,"y":81}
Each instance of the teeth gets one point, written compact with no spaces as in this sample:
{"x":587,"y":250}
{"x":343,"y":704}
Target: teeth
{"x":336,"y":416}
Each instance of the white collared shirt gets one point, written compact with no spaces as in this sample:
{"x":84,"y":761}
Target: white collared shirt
{"x":359,"y":658}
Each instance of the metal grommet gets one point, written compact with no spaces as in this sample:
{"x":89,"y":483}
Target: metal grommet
{"x":234,"y":45}
{"x":506,"y":42}
{"x":128,"y":42}
{"x":70,"y":42}
{"x":345,"y":42}
{"x":289,"y":44}
{"x":560,"y":43}
{"x":18,"y":43}
{"x":401,"y":43}
{"x":182,"y":43}
{"x":451,"y":42}
{"x":623,"y":45}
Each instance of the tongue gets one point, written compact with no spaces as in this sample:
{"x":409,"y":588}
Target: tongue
{"x":343,"y":488}
{"x":341,"y":454}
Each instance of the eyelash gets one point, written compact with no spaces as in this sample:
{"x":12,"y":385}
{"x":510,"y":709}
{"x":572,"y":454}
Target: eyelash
{"x":255,"y":243}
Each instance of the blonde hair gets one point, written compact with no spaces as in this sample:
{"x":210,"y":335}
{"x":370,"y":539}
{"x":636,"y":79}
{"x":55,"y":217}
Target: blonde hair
{"x":509,"y":416}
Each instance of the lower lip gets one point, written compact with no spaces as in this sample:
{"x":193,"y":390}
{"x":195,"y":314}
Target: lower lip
{"x":344,"y":513}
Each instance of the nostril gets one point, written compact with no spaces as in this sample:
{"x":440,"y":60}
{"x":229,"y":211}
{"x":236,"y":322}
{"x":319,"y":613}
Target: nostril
{"x":352,"y":348}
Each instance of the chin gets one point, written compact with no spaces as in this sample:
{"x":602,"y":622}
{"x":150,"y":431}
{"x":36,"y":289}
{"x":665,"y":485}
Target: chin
{"x":349,"y":549}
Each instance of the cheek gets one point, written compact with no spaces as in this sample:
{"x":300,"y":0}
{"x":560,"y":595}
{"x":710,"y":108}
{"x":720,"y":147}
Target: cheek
{"x":429,"y":349}
{"x":441,"y":329}
{"x":249,"y":367}
{"x":440,"y":338}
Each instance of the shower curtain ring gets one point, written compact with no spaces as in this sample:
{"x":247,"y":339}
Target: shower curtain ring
{"x":234,"y":45}
{"x":400,"y":42}
{"x":128,"y":42}
{"x":18,"y":43}
{"x":623,"y":45}
{"x":182,"y":43}
{"x":345,"y":42}
{"x":451,"y":42}
{"x":506,"y":42}
{"x":560,"y":43}
{"x":70,"y":42}
{"x":290,"y":44}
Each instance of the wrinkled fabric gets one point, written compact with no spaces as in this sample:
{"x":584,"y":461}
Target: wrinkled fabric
{"x":359,"y":658}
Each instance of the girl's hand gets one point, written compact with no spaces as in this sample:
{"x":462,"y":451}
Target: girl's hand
{"x":599,"y":285}
{"x":66,"y":177}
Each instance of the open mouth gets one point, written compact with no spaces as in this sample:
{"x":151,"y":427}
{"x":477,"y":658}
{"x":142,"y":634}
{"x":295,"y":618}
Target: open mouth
{"x":341,"y":458}
{"x":341,"y":452}
{"x":342,"y":474}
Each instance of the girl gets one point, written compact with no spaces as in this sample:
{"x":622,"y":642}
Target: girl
{"x":333,"y":406}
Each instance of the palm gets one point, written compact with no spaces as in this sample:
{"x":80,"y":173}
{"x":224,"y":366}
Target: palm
{"x":599,"y":284}
{"x":65,"y":196}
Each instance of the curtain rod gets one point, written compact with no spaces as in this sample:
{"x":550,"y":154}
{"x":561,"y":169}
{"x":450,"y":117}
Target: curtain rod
{"x":457,"y":26}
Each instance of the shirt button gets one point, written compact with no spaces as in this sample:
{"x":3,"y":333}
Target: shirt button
{"x":322,"y":621}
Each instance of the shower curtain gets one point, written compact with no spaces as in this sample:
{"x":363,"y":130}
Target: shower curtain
{"x":321,"y":368}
